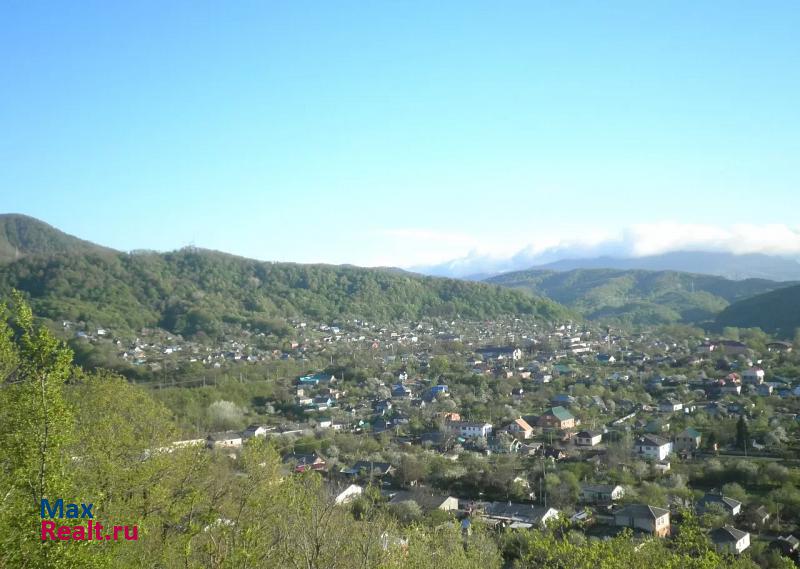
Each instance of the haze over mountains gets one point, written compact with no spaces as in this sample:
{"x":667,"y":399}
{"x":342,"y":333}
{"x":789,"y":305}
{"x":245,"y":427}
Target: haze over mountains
{"x":722,"y":264}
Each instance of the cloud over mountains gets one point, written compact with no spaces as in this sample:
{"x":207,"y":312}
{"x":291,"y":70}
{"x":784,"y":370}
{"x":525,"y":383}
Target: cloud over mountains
{"x":637,"y":240}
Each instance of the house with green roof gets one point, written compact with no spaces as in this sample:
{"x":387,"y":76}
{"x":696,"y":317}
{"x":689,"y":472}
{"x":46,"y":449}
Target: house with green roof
{"x":556,"y":418}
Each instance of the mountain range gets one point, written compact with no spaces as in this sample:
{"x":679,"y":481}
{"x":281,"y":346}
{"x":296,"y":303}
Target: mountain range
{"x":193,"y":291}
{"x":721,"y":264}
{"x":637,"y":297}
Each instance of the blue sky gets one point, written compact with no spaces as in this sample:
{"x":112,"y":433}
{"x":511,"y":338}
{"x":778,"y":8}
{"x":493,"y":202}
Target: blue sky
{"x":404,"y":133}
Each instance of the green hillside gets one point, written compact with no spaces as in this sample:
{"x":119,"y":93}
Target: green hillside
{"x":635,"y":296}
{"x":191,"y":291}
{"x":776,"y":312}
{"x":22,"y":236}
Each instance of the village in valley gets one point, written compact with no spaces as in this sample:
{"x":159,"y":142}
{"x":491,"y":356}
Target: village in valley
{"x":510,"y":423}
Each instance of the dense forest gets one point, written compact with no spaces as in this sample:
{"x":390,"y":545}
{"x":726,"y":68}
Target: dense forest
{"x":21,"y":236}
{"x":777,"y":312}
{"x":637,"y":297}
{"x":197,"y":291}
{"x":94,"y":438}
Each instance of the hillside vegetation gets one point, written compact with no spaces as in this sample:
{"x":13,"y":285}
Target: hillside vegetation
{"x":21,"y":236}
{"x":635,"y":296}
{"x":776,"y":312}
{"x":193,"y":291}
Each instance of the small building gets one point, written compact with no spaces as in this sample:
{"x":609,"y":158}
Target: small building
{"x":649,"y":519}
{"x":520,"y":429}
{"x":670,"y":406}
{"x":710,"y":502}
{"x":588,"y":438}
{"x":753,"y":376}
{"x":254,"y":431}
{"x":224,"y":440}
{"x":601,"y":493}
{"x":519,"y":515}
{"x":426,"y":502}
{"x":728,"y":539}
{"x":500,"y":353}
{"x":304,"y":462}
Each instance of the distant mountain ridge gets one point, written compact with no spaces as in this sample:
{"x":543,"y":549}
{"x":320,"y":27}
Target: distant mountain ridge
{"x":193,"y":291}
{"x":637,"y":297}
{"x":728,"y":265}
{"x":23,"y":236}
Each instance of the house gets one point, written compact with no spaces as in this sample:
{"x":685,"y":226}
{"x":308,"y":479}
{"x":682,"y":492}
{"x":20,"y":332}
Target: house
{"x":383,"y":407}
{"x":601,"y":493}
{"x":224,"y":440}
{"x":521,"y":515}
{"x":305,"y":462}
{"x":670,"y":406}
{"x":788,"y":545}
{"x":556,"y":418}
{"x":588,"y":438}
{"x":426,"y":502}
{"x":653,"y":447}
{"x":520,"y":429}
{"x":733,"y":347}
{"x":500,"y":353}
{"x":314,"y":379}
{"x":728,"y":539}
{"x":730,"y":389}
{"x":779,"y":347}
{"x":710,"y":502}
{"x":765,"y":389}
{"x":370,"y":469}
{"x":474,"y":430}
{"x":688,"y":439}
{"x":606,"y":358}
{"x":753,"y":376}
{"x":562,"y":399}
{"x":645,"y":518}
{"x":254,"y":431}
{"x":400,"y":391}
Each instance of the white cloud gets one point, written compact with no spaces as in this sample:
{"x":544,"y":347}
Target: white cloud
{"x":461,"y":254}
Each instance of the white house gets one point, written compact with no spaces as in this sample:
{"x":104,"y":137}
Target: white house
{"x":588,"y":438}
{"x":601,"y":493}
{"x":474,"y":430}
{"x":728,"y":539}
{"x":654,"y":447}
{"x":254,"y":431}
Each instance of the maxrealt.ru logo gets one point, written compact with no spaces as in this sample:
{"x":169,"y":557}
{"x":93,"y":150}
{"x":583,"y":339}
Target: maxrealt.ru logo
{"x":90,"y":532}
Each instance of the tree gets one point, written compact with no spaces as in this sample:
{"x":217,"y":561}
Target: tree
{"x":742,"y":433}
{"x":36,"y":425}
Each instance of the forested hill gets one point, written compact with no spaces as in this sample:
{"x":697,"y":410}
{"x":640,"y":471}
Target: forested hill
{"x":637,"y":296}
{"x":22,"y":236}
{"x":776,"y":312}
{"x":191,"y":291}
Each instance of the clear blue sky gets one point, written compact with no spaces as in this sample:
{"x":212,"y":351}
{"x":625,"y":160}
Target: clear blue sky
{"x":395,"y":132}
